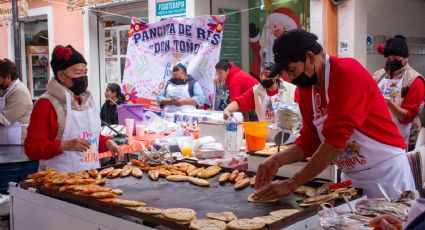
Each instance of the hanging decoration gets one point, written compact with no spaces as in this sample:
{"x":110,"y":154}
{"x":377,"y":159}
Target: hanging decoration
{"x":130,"y":93}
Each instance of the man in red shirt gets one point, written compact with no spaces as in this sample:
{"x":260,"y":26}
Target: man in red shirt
{"x":345,"y":120}
{"x":265,"y":97}
{"x":236,"y":80}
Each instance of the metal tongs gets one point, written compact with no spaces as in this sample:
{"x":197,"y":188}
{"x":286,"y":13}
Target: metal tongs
{"x":398,"y":189}
{"x":281,"y":138}
{"x":384,"y":192}
{"x":348,"y":203}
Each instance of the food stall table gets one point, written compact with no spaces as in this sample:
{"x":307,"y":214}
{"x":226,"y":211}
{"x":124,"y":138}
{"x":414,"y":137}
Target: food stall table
{"x":42,"y":208}
{"x":255,"y":158}
{"x":14,"y":165}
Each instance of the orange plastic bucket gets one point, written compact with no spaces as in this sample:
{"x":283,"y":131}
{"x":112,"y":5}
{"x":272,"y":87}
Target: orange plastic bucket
{"x":255,"y":135}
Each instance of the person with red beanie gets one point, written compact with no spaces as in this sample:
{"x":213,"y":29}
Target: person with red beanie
{"x":403,"y":89}
{"x":64,"y":129}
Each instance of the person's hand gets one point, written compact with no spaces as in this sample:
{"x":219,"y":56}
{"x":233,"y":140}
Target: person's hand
{"x":179,"y":102}
{"x":115,"y":150}
{"x":226,"y":114}
{"x":388,"y":100}
{"x":386,"y":222}
{"x":273,"y":190}
{"x":167,"y":101}
{"x":266,"y":171}
{"x":77,"y":144}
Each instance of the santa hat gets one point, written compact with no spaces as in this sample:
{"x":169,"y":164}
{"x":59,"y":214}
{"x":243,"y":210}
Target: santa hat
{"x":284,"y":13}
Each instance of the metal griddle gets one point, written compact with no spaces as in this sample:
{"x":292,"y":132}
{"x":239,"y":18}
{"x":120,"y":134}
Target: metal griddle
{"x":165,"y":194}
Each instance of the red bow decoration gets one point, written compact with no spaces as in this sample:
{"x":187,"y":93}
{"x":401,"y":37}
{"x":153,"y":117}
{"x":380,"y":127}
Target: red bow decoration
{"x":380,"y":48}
{"x":62,"y":53}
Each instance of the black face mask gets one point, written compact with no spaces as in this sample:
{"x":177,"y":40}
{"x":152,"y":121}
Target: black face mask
{"x":176,"y":81}
{"x":267,"y":83}
{"x":304,"y":81}
{"x":79,"y":85}
{"x":393,"y":66}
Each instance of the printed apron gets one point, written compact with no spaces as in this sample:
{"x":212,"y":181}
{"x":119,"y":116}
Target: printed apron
{"x":392,"y":88}
{"x":365,"y":161}
{"x":11,"y":135}
{"x":78,"y":124}
{"x":269,"y":106}
{"x":178,"y":92}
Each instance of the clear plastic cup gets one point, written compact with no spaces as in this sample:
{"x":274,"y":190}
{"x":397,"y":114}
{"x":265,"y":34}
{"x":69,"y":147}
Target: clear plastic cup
{"x":140,"y":129}
{"x":129,"y":127}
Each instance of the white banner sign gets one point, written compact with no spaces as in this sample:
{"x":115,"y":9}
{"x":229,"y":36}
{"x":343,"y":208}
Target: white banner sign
{"x":154,"y":49}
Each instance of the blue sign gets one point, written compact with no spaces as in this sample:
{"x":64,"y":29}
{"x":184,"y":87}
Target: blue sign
{"x":167,"y":8}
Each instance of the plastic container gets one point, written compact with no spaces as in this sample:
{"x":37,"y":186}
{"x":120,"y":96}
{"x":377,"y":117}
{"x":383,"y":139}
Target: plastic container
{"x":255,"y":135}
{"x":186,"y":146}
{"x":127,"y":111}
{"x":231,"y":143}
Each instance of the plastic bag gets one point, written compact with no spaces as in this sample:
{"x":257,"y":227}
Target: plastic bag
{"x":330,"y":218}
{"x":288,"y":116}
{"x":157,"y":124}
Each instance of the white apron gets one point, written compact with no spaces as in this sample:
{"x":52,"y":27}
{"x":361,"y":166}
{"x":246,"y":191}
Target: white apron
{"x":368,"y":162}
{"x":392,"y":88}
{"x":78,"y":124}
{"x":269,"y":106}
{"x":178,"y":92}
{"x":11,"y":135}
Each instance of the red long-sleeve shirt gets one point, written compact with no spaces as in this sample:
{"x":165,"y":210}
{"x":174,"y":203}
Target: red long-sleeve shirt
{"x":246,"y":101}
{"x":238,"y":82}
{"x":41,"y":142}
{"x":413,"y":99}
{"x":355,"y":102}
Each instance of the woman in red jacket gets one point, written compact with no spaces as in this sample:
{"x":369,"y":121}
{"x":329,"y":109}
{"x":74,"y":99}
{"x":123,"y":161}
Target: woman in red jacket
{"x":64,"y":130}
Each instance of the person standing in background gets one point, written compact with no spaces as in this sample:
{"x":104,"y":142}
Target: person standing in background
{"x":403,"y":89}
{"x":15,"y":105}
{"x":181,"y":92}
{"x":236,"y":80}
{"x":265,"y":97}
{"x":114,"y":97}
{"x":64,"y":131}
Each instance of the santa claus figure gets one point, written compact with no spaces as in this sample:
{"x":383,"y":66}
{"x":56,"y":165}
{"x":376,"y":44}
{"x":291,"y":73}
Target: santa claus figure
{"x":280,"y":20}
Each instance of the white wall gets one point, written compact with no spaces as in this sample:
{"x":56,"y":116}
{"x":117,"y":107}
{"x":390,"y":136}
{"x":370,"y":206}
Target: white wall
{"x":316,"y":19}
{"x":91,"y":53}
{"x":352,"y":28}
{"x":391,"y":17}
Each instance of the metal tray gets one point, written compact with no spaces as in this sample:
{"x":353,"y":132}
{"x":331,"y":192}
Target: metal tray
{"x":166,"y":194}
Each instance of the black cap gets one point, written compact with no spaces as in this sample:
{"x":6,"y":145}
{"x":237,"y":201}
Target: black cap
{"x":64,"y":57}
{"x":291,"y":45}
{"x":396,"y":46}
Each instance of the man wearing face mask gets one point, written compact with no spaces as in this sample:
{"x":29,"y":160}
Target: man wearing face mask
{"x":15,"y":105}
{"x":64,"y":130}
{"x":181,"y":92}
{"x":264,"y":97}
{"x":403,"y":89}
{"x":345,"y":120}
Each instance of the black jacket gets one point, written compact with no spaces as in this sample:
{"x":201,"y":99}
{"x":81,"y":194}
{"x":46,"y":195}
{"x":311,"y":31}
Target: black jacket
{"x":109,"y":113}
